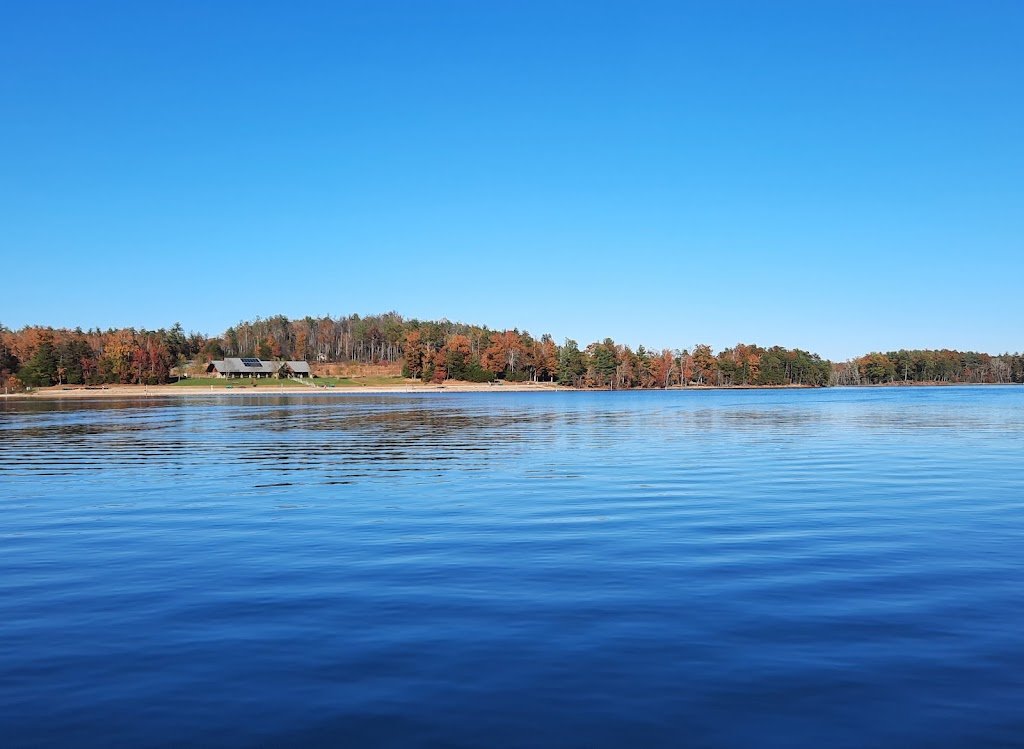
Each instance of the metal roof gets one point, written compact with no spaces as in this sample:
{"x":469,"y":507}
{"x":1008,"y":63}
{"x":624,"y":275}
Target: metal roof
{"x":251,"y":365}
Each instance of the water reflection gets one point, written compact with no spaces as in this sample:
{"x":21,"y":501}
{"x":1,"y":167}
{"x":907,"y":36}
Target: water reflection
{"x":366,"y":435}
{"x":577,"y":569}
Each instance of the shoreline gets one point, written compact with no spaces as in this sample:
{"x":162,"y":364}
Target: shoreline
{"x":80,"y":392}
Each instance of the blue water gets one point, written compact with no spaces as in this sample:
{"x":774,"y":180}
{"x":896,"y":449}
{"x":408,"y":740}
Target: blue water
{"x":821,"y":568}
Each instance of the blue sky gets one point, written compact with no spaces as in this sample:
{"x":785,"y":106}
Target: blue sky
{"x":838,"y":176}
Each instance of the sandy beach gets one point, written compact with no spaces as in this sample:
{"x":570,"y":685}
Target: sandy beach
{"x":71,"y":392}
{"x":146,"y":391}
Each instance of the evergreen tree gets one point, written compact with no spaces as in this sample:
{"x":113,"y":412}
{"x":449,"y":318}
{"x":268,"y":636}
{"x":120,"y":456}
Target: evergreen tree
{"x":604,"y":361}
{"x":8,"y":361}
{"x":41,"y":369}
{"x":571,"y":365}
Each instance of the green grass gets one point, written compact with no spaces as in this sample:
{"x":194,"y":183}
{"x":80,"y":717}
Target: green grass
{"x":217,"y":382}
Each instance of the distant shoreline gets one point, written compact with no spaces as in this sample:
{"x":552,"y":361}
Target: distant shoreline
{"x":80,"y":392}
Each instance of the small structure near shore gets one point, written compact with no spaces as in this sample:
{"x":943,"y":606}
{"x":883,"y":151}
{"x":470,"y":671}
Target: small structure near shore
{"x":246,"y":366}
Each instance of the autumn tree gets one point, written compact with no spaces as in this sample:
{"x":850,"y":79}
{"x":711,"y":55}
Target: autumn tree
{"x":412,"y":358}
{"x":116,"y":360}
{"x":457,"y":354}
{"x":662,"y":368}
{"x":628,"y":370}
{"x":547,"y":359}
{"x":436,"y":369}
{"x":211,"y":350}
{"x":504,"y":355}
{"x":301,"y":342}
{"x":685,"y":365}
{"x":445,"y":349}
{"x":876,"y":368}
{"x":740,"y":365}
{"x":8,"y":361}
{"x":704,"y":364}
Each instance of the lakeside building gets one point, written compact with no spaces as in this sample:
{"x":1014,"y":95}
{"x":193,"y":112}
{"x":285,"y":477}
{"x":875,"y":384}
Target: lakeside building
{"x":248,"y":366}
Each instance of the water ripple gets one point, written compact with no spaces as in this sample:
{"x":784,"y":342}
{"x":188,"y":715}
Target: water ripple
{"x":725,"y":569}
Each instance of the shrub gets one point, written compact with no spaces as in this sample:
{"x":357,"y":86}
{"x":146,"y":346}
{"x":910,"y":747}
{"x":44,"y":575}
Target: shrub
{"x":13,"y":384}
{"x":476,"y":373}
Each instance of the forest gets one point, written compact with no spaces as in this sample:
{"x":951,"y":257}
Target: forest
{"x":437,"y":351}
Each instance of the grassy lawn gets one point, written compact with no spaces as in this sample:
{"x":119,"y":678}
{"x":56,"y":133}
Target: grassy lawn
{"x":217,"y":382}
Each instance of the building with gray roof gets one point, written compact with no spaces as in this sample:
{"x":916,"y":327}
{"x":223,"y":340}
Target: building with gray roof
{"x":247,"y":366}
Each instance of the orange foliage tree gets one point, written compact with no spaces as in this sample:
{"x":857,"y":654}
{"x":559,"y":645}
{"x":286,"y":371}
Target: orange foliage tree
{"x":505,"y":353}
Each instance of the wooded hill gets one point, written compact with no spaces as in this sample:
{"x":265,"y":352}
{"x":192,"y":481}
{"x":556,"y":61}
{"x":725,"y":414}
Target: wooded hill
{"x":441,"y":350}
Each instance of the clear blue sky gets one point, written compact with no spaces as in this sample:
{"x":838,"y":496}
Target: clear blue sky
{"x":839,"y":176}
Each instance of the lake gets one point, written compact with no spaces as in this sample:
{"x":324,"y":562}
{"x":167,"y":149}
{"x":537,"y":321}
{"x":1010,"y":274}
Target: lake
{"x":809,"y":568}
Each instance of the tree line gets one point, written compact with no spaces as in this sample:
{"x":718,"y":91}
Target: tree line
{"x":926,"y":365}
{"x":40,"y":356}
{"x":440,"y":350}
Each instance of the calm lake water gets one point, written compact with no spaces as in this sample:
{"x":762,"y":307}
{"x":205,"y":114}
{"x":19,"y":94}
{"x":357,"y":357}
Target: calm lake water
{"x":827,"y":568}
